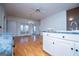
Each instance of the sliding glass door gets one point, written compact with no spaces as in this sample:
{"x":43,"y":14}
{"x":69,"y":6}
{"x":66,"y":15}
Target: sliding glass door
{"x":24,"y":28}
{"x":30,"y":29}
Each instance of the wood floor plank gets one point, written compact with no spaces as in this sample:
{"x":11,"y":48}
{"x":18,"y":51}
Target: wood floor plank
{"x":28,"y":47}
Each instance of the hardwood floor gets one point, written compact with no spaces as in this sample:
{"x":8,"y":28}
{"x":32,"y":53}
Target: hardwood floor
{"x":28,"y":47}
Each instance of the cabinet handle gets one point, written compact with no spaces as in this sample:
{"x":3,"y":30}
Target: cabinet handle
{"x":53,"y":42}
{"x":76,"y":50}
{"x":13,"y":45}
{"x":62,"y":36}
{"x":71,"y":48}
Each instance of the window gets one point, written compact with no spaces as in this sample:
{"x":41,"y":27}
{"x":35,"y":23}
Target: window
{"x":24,"y":28}
{"x":21,"y":27}
{"x":34,"y":28}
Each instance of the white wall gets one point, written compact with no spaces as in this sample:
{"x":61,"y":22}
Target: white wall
{"x":57,"y":22}
{"x":17,"y":21}
{"x":2,"y":19}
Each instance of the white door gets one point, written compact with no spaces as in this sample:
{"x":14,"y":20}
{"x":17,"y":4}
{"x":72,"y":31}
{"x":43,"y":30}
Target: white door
{"x":63,"y":47}
{"x":1,"y":20}
{"x":12,"y":27}
{"x":76,"y":49}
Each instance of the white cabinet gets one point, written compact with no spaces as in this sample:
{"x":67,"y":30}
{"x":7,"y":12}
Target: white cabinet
{"x":63,"y":47}
{"x":48,"y":45}
{"x":76,"y":50}
{"x":60,"y":45}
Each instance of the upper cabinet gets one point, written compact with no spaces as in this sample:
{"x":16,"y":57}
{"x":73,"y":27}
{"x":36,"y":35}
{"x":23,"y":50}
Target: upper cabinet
{"x":73,"y":19}
{"x":2,"y":19}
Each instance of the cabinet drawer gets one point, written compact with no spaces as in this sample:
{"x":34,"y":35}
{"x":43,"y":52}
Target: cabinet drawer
{"x":71,"y":37}
{"x":55,"y":35}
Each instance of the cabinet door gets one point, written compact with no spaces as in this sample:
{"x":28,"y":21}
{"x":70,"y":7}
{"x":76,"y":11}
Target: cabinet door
{"x":63,"y":47}
{"x":48,"y":45}
{"x":76,"y":49}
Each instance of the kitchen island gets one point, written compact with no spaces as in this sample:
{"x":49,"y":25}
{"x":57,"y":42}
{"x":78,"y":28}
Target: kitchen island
{"x":61,"y":43}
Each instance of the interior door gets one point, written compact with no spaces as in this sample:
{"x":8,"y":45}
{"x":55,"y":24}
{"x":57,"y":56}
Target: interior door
{"x":12,"y":27}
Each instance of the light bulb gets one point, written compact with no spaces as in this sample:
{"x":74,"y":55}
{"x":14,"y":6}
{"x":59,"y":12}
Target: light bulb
{"x":70,"y":19}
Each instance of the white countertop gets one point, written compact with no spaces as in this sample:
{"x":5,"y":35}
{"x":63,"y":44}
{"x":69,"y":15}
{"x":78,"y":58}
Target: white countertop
{"x":70,"y":37}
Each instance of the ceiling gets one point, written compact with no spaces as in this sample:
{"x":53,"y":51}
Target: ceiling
{"x":28,"y":10}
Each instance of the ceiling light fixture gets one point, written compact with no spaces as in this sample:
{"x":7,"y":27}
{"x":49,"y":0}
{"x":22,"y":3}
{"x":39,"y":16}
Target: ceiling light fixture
{"x":37,"y":10}
{"x":70,"y":19}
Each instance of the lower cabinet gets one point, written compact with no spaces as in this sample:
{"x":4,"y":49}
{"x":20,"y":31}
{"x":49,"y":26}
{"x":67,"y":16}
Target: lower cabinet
{"x":63,"y":48}
{"x":48,"y":45}
{"x":60,"y":47}
{"x":76,"y":50}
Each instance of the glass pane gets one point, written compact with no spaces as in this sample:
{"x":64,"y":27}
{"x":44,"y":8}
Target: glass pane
{"x":26,"y":28}
{"x":34,"y":28}
{"x":21,"y":27}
